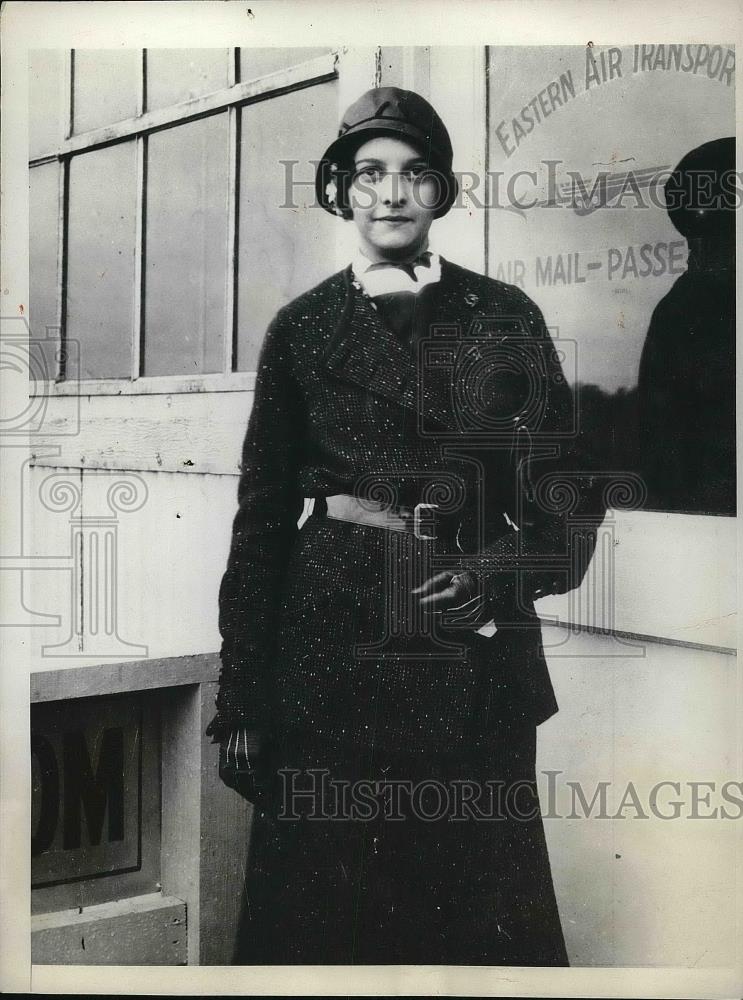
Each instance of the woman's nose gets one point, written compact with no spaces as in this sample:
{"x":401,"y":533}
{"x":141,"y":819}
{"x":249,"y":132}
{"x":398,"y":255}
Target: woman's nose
{"x":393,"y":189}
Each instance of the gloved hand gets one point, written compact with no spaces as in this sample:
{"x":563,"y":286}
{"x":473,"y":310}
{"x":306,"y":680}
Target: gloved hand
{"x":458,"y":594}
{"x":244,"y":763}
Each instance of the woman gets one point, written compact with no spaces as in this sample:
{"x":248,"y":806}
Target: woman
{"x":404,"y":395}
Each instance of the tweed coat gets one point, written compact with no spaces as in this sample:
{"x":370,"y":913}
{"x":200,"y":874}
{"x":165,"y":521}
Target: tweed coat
{"x":319,"y":633}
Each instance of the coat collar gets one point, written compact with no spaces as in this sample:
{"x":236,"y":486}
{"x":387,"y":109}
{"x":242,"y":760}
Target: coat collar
{"x":364,"y":351}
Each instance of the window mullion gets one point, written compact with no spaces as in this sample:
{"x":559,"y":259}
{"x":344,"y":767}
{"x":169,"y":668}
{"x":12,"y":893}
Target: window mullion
{"x":229,"y":358}
{"x":138,"y":331}
{"x":233,"y":194}
{"x":139,"y":231}
{"x":68,"y":94}
{"x":142,"y":94}
{"x":62,"y":216}
{"x":66,"y":114}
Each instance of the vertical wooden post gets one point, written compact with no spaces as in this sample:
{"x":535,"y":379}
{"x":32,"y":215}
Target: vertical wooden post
{"x":140,"y":223}
{"x":229,"y":356}
{"x":458,"y":92}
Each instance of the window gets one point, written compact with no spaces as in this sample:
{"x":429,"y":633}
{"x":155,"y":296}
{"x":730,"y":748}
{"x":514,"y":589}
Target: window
{"x":105,"y":87}
{"x":175,"y":75}
{"x":271,"y":238}
{"x":101,"y":234}
{"x":185,"y":248}
{"x":158,"y":240}
{"x":43,"y":250}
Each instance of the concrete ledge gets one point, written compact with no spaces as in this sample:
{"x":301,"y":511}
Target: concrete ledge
{"x":143,"y":930}
{"x":123,"y":678}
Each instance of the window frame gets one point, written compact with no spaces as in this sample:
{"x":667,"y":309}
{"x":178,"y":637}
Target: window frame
{"x":230,"y":99}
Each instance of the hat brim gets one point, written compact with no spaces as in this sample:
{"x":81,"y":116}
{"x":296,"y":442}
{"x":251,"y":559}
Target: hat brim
{"x":358,"y":134}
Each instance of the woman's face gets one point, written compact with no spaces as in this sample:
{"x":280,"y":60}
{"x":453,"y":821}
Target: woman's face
{"x":393,"y":197}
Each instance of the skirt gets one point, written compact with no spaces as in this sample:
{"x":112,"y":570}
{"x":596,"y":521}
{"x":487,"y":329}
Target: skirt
{"x":362,"y":856}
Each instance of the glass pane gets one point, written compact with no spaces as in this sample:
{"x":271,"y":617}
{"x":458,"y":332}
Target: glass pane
{"x":175,"y":75}
{"x":186,"y":248}
{"x":100,"y":275}
{"x":608,"y":269}
{"x":282,"y":251}
{"x":43,"y":235}
{"x":106,"y":84}
{"x":45,"y":94}
{"x":260,"y":62}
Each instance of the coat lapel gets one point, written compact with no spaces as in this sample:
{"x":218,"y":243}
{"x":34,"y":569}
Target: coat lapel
{"x":364,"y":351}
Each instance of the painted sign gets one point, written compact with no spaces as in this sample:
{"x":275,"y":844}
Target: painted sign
{"x":86,"y":789}
{"x":583,"y":143}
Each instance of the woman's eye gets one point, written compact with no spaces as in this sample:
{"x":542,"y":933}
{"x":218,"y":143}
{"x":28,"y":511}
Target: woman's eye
{"x":369,"y":175}
{"x":416,"y":173}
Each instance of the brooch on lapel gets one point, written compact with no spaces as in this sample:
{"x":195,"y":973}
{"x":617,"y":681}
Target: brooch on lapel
{"x":360,"y":289}
{"x":471,"y":299}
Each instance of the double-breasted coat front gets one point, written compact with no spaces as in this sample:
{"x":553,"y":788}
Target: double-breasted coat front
{"x":320,"y":634}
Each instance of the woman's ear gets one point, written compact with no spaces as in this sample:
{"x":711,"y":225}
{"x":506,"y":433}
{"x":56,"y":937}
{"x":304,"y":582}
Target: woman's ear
{"x":337,"y":190}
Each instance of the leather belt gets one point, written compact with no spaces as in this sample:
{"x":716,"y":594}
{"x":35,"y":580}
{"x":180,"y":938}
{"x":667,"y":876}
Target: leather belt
{"x":419,"y":520}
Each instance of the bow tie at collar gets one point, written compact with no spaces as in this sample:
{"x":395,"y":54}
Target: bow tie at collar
{"x":422,"y":260}
{"x":383,"y":277}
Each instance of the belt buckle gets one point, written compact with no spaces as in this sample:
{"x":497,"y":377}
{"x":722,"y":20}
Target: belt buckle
{"x":417,"y":520}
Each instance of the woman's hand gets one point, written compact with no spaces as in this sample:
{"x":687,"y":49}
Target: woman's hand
{"x":447,"y":590}
{"x":243,"y":763}
{"x":459,"y":594}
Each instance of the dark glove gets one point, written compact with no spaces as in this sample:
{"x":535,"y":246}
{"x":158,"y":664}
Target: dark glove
{"x":244,"y":763}
{"x":459,"y":595}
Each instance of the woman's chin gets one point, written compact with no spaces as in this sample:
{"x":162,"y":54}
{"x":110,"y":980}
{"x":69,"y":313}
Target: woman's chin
{"x":396,"y":245}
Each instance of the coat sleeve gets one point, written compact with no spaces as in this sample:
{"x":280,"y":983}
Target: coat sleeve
{"x":264,"y":527}
{"x":555,"y":499}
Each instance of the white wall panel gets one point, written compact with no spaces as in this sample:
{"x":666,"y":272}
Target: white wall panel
{"x":638,"y":891}
{"x":170,"y":555}
{"x":671,"y":576}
